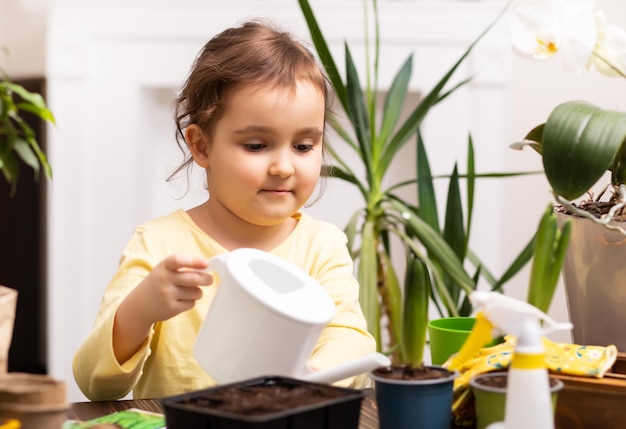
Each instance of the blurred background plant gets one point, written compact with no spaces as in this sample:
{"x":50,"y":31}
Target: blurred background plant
{"x":18,"y":141}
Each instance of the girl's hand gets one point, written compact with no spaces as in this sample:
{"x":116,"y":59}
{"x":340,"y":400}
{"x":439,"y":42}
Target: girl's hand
{"x":173,"y":286}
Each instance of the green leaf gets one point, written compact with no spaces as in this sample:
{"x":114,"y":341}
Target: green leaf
{"x":426,"y":198}
{"x":324,"y":54}
{"x":550,"y":247}
{"x":415,"y":118}
{"x":357,"y":112}
{"x":395,"y":99}
{"x":26,"y":154}
{"x":367,"y":276}
{"x":393,"y":299}
{"x":416,"y":289}
{"x":471,"y":185}
{"x":580,"y":143}
{"x":436,"y":247}
{"x":351,"y":229}
{"x":454,"y":232}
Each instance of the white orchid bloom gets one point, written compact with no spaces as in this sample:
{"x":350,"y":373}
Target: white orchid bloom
{"x":610,"y":51}
{"x":542,"y":28}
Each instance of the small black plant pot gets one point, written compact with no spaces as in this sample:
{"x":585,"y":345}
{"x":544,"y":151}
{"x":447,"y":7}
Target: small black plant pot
{"x":270,"y":402}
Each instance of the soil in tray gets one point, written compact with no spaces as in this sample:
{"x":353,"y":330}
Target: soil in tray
{"x":263,"y":399}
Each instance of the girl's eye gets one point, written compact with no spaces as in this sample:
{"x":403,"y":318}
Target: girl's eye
{"x":254,"y":147}
{"x":301,"y":147}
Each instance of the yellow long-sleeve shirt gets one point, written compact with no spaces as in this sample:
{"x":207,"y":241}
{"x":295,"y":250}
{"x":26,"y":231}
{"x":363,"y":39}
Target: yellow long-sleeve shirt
{"x":165,"y":365}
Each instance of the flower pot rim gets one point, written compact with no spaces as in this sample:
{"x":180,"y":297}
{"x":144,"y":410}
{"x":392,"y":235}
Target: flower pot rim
{"x":476,"y":385}
{"x":451,"y":376}
{"x":435,"y":323}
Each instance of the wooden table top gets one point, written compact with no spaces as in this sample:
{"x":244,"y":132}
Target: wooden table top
{"x":91,"y":410}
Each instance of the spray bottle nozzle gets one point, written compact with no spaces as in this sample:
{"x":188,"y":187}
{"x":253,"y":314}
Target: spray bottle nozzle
{"x":501,"y":314}
{"x":509,"y":314}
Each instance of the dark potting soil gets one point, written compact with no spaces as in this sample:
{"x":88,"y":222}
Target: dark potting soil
{"x":263,"y":399}
{"x":407,"y":372}
{"x":500,"y":380}
{"x":596,"y":208}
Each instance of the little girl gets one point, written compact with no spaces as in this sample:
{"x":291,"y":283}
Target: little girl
{"x":251,"y":114}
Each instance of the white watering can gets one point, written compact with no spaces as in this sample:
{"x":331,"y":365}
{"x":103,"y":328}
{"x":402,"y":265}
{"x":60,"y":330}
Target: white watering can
{"x":265,"y":319}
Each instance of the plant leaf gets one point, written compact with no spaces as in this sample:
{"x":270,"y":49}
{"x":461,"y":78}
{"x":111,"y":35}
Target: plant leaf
{"x":471,"y":185}
{"x":324,"y":54}
{"x":436,"y":247}
{"x":414,"y":120}
{"x":367,"y":276}
{"x":454,"y":232}
{"x":581,"y":142}
{"x":392,"y":299}
{"x":426,"y":198}
{"x":26,"y":154}
{"x":416,"y":289}
{"x":395,"y":99}
{"x":357,"y":112}
{"x":549,"y":253}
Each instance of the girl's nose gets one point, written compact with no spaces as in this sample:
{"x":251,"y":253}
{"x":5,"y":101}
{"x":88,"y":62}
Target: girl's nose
{"x":282,"y":166}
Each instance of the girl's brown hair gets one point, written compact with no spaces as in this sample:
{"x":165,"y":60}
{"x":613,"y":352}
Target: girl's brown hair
{"x":256,"y":53}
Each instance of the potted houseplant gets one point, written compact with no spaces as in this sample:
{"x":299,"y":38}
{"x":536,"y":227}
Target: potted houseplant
{"x":582,"y":150}
{"x":434,"y":257}
{"x":36,"y":400}
{"x":18,"y":142}
{"x":385,"y":216}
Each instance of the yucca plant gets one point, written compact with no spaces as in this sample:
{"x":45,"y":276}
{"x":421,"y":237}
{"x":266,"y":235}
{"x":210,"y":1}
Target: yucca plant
{"x":18,"y":142}
{"x":436,"y":258}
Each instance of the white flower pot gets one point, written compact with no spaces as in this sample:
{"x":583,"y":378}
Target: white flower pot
{"x":594,"y":275}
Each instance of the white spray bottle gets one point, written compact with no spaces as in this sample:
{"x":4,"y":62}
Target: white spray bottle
{"x":528,"y":403}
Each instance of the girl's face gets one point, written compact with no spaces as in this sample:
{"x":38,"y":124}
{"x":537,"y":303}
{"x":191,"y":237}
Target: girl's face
{"x":265,"y":154}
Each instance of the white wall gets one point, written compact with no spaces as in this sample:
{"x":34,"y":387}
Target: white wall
{"x":22,"y":33}
{"x":514,"y":96}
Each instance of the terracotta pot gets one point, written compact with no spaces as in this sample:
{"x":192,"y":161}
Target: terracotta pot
{"x":589,"y":402}
{"x":594,"y":275}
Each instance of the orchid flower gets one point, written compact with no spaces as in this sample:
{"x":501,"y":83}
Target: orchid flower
{"x":542,"y":28}
{"x":609,"y":54}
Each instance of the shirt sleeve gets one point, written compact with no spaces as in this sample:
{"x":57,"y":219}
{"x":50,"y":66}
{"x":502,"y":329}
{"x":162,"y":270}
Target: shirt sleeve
{"x":96,"y":370}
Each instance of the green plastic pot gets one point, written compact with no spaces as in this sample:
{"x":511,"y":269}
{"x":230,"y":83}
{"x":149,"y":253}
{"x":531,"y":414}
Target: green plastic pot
{"x":447,"y":335}
{"x":490,"y":402}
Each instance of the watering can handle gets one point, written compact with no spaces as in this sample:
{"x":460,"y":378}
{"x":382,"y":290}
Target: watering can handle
{"x":354,"y":367}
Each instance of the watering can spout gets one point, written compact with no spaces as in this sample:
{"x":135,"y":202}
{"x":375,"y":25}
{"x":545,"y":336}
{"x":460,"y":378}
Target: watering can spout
{"x":354,"y":367}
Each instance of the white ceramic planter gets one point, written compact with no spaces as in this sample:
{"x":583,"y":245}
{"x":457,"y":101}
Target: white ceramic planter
{"x":594,"y":275}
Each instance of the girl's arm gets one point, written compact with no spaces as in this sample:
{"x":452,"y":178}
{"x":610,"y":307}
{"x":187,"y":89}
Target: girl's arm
{"x":173,"y":286}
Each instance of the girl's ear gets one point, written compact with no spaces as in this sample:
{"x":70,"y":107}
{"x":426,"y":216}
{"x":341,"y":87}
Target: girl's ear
{"x":198,"y":144}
